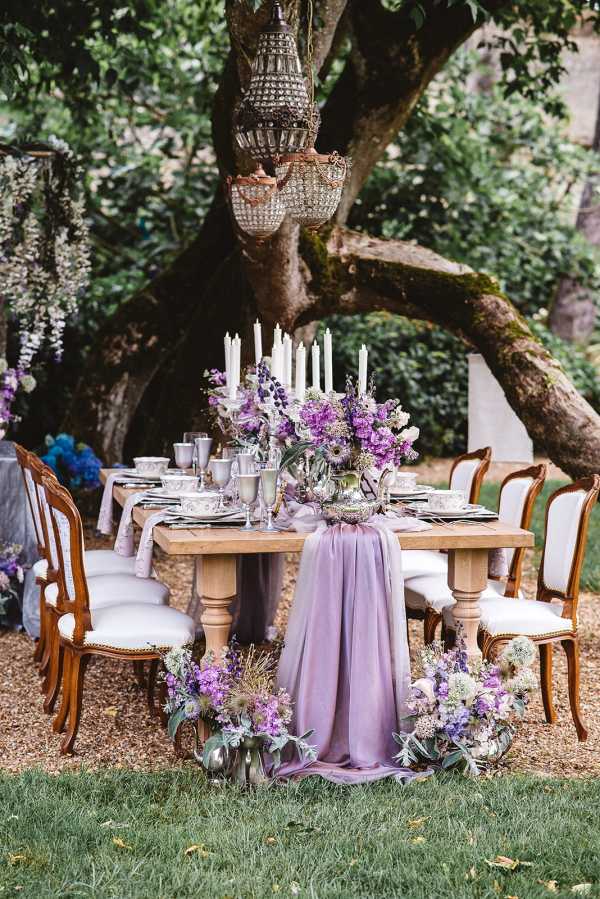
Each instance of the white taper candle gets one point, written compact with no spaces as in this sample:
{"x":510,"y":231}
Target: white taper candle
{"x":328,"y":360}
{"x":363,"y":355}
{"x":300,"y":373}
{"x":257,"y":342}
{"x":287,"y":360}
{"x":316,"y":366}
{"x":227,"y":342}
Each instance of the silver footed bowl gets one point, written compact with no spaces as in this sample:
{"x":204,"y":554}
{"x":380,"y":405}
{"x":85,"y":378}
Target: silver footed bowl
{"x":349,"y":512}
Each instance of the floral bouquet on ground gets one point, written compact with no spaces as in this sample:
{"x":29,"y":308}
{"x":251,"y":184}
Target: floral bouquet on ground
{"x":237,"y":698}
{"x":11,"y":574}
{"x":463,"y":716}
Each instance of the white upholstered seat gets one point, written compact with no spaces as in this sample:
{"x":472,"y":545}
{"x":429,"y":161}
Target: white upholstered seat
{"x":107,"y":561}
{"x":432,"y":591}
{"x":134,"y":627}
{"x":109,"y":589}
{"x":527,"y":617}
{"x":40,"y":568}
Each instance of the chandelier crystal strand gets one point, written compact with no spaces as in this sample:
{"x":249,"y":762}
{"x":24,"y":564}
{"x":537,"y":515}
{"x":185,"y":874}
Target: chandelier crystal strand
{"x":257,"y":205}
{"x":276,"y":115}
{"x":311,"y":185}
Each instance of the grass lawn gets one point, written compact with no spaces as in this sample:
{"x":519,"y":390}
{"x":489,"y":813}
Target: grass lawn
{"x":124,"y":834}
{"x":590,"y":579}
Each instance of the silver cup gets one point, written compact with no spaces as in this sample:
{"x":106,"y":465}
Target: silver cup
{"x":190,"y":437}
{"x":268,"y":480}
{"x":184,"y":454}
{"x":248,"y":488}
{"x":221,"y":475}
{"x":203,"y":447}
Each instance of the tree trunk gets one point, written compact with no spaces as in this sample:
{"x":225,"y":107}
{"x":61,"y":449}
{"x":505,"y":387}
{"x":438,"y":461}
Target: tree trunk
{"x":575,"y":311}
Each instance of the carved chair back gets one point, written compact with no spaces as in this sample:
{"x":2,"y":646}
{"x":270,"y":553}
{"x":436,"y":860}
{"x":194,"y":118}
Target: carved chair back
{"x":23,"y":458}
{"x":468,"y":471}
{"x":567,"y":520}
{"x":68,"y":535}
{"x":518,"y":493}
{"x":39,"y":471}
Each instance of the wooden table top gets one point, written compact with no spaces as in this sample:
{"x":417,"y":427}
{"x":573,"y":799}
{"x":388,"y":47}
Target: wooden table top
{"x":488,"y":535}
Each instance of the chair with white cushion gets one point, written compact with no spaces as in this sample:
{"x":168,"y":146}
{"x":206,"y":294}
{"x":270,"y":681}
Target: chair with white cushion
{"x":467,"y":474}
{"x":139,"y":630}
{"x":552,"y":616}
{"x":427,"y":595}
{"x":105,"y":588}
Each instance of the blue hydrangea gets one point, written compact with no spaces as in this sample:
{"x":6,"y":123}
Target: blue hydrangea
{"x":75,"y":464}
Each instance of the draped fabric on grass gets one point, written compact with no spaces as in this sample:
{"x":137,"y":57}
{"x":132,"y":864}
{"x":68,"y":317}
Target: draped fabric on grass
{"x":346,"y":660}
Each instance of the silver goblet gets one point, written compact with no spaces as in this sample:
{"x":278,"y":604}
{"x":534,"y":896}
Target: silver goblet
{"x":268,"y":480}
{"x":221,"y":475}
{"x":190,"y":437}
{"x":184,"y":454}
{"x":248,"y":488}
{"x":203,"y":447}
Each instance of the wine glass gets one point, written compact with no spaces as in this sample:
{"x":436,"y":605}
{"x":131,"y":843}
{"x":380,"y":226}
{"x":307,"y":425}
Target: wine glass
{"x":248,"y":487}
{"x":191,"y":437}
{"x":221,"y":474}
{"x":268,"y":480}
{"x":184,"y":455}
{"x":203,"y":447}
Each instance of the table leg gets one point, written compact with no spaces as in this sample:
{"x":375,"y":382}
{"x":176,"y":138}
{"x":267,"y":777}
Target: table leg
{"x":217,"y":575}
{"x":467,"y":577}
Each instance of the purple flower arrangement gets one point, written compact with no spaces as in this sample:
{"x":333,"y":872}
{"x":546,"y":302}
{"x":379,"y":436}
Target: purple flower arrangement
{"x":348,"y":431}
{"x":11,"y":574}
{"x":235,"y":695}
{"x":463,"y":715}
{"x":75,"y":464}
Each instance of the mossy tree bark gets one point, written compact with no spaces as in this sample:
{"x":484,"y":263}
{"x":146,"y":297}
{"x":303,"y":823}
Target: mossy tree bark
{"x":142,"y":386}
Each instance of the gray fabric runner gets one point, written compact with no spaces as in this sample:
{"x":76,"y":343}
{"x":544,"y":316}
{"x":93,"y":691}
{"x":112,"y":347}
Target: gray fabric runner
{"x":16,"y":526}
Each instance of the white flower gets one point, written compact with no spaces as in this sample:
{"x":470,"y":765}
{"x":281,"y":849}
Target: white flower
{"x":426,"y":687}
{"x":410,"y":434}
{"x":28,"y":383}
{"x":426,"y":727}
{"x":523,"y":681}
{"x":461,"y":687}
{"x":175,"y":660}
{"x":519,"y":653}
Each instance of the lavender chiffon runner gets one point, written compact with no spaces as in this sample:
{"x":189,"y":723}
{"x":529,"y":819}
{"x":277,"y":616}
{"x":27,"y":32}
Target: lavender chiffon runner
{"x":346,"y":661}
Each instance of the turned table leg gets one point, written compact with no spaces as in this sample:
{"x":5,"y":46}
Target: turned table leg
{"x":467,"y":577}
{"x":217,"y":575}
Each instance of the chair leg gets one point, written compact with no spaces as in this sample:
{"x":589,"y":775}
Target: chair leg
{"x":546,"y":681}
{"x":53,"y":681}
{"x":48,"y":631}
{"x":58,"y":725}
{"x":78,"y":665}
{"x":138,"y":670}
{"x":41,"y":643}
{"x":432,"y":619}
{"x":571,"y":648}
{"x":150,"y":687}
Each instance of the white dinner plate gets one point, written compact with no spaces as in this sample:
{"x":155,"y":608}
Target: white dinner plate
{"x":469,"y":511}
{"x":234,"y":514}
{"x":165,"y":493}
{"x":420,"y":490}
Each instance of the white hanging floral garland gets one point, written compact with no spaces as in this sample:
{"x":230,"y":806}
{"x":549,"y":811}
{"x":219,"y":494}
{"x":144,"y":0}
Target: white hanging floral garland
{"x":44,"y":255}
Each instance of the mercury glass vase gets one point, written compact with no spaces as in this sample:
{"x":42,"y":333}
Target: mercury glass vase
{"x":348,"y":503}
{"x":248,"y":764}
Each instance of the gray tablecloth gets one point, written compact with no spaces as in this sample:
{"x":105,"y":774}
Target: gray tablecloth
{"x":16,"y":526}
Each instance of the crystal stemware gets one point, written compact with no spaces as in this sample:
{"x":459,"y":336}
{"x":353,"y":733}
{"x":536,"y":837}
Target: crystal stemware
{"x":203,"y":447}
{"x":268,"y":480}
{"x":248,"y":487}
{"x":191,"y":437}
{"x":221,"y":475}
{"x":184,"y":455}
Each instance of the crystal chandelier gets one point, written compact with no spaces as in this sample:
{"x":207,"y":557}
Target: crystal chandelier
{"x":276,"y":115}
{"x":258,"y":207}
{"x":311,"y":185}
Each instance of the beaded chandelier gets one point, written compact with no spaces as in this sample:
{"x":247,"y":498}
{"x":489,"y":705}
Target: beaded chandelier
{"x":275,"y":115}
{"x":311,"y":185}
{"x":257,"y":205}
{"x":276,"y":124}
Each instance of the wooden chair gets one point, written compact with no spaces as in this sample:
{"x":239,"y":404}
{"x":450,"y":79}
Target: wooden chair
{"x":115,"y":587}
{"x":552,"y":616}
{"x":139,"y":631}
{"x":467,"y":474}
{"x":428,"y":595}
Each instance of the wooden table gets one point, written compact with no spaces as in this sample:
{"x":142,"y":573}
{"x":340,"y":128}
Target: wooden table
{"x":215,"y":556}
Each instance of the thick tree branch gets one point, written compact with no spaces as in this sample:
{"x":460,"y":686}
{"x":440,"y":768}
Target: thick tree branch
{"x":352,"y":272}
